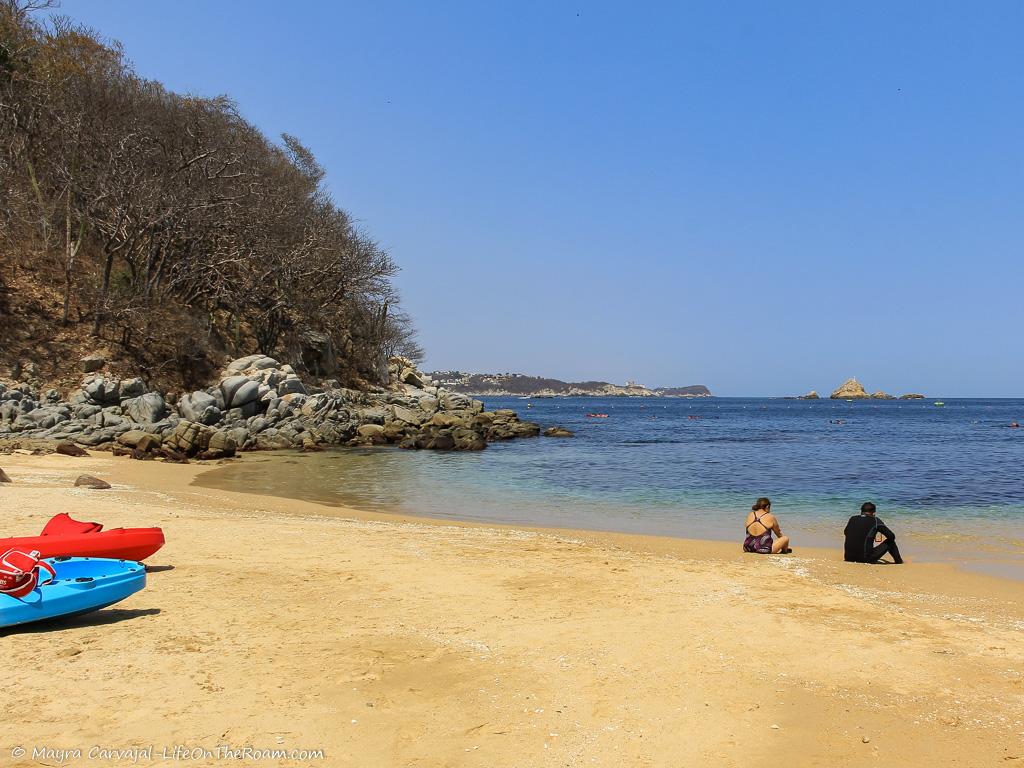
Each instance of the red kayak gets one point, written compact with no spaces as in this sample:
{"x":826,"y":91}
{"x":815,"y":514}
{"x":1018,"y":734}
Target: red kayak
{"x":65,"y":537}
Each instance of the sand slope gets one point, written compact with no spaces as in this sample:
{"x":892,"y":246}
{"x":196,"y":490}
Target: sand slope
{"x":387,"y":642}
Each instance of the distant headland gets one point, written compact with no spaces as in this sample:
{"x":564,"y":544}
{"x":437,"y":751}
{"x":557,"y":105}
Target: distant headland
{"x":521,"y":385}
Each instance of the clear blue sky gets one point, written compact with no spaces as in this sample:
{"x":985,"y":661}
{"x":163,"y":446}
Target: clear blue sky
{"x":762,"y":197}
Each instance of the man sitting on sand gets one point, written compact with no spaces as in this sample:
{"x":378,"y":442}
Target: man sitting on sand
{"x":868,"y":538}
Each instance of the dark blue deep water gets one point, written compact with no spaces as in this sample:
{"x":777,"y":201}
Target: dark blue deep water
{"x":693,"y":467}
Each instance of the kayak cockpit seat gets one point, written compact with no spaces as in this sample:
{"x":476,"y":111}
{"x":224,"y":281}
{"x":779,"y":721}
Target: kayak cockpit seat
{"x":64,"y":525}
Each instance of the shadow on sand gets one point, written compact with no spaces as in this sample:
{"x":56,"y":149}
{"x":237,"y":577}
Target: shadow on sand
{"x":94,"y":619}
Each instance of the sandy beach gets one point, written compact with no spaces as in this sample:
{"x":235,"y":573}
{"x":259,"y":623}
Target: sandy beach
{"x":272,"y":624}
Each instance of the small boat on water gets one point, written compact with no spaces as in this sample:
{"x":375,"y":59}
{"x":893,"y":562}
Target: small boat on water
{"x":597,"y":415}
{"x":939,"y":403}
{"x":71,"y":586}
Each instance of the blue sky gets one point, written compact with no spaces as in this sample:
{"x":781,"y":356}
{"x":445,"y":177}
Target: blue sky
{"x":761,"y":197}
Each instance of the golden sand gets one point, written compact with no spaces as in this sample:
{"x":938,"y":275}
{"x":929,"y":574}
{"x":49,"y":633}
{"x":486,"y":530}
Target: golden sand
{"x":272,"y":624}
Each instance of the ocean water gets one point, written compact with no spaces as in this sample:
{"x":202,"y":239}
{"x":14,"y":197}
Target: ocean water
{"x":951,"y":478}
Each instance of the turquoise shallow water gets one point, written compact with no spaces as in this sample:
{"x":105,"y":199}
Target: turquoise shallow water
{"x":951,"y":477}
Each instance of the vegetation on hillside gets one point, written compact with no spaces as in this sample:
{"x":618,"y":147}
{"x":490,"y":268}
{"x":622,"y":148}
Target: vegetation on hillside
{"x":166,"y":228}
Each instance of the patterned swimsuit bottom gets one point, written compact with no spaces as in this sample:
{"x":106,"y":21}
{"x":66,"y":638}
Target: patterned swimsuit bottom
{"x":761,"y":545}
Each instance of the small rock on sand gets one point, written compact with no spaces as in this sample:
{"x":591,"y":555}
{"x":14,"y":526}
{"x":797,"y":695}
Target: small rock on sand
{"x":3,"y":477}
{"x":88,"y":481}
{"x":70,"y":449}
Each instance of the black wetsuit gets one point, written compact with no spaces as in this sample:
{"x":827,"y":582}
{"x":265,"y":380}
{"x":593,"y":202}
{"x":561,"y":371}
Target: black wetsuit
{"x":860,"y":540}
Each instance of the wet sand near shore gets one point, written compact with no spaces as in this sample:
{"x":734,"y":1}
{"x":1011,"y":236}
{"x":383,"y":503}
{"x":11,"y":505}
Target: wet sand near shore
{"x":387,"y":641}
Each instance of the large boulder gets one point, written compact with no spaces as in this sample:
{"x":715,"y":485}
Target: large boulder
{"x":130,"y":388}
{"x":92,"y":363}
{"x":407,"y":415}
{"x":221,"y":445}
{"x":140,"y":440}
{"x":239,"y":391}
{"x":190,"y":438}
{"x":252,"y":362}
{"x":200,"y":407}
{"x":317,"y":352}
{"x":102,"y":391}
{"x":412,"y":377}
{"x":145,"y":409}
{"x":812,"y":395}
{"x":291,"y":385}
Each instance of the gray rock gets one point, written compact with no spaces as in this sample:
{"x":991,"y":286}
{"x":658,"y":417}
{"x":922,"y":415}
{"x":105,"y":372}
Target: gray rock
{"x":454,"y":401}
{"x":102,"y":391}
{"x":257,"y":424}
{"x":130,"y":388}
{"x":85,"y":411}
{"x":88,"y":481}
{"x":240,"y":435}
{"x":199,"y":406}
{"x":291,"y":386}
{"x":92,"y":363}
{"x":242,"y":363}
{"x":317,"y":352}
{"x":239,"y":391}
{"x":372,"y":415}
{"x":145,"y":409}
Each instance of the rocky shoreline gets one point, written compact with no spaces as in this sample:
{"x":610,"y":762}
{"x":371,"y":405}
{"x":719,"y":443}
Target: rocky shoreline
{"x":257,"y":404}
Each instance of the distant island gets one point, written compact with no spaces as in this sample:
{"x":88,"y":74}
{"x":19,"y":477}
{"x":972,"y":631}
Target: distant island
{"x":851,"y":389}
{"x":521,"y":385}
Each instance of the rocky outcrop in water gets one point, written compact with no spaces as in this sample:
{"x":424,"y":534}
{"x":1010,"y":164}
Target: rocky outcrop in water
{"x":256,"y":404}
{"x":812,"y":395}
{"x":851,"y":389}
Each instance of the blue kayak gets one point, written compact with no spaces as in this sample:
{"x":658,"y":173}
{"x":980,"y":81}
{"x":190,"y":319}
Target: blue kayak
{"x":82,"y":584}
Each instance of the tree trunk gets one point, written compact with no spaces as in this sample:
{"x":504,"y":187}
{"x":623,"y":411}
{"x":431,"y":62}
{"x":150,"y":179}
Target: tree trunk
{"x":101,"y":301}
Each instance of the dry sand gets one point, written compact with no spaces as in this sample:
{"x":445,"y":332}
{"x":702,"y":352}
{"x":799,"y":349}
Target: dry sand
{"x":281,"y":625}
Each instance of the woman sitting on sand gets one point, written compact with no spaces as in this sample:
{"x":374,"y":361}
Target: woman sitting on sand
{"x":761,"y":523}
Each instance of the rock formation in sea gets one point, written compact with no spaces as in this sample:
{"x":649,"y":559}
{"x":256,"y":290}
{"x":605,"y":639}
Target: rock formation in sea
{"x":912,"y":396}
{"x":851,"y":389}
{"x":256,"y":404}
{"x":812,"y":395}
